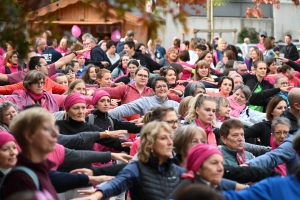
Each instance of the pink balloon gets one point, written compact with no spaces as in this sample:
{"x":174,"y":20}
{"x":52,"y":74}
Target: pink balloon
{"x":116,"y":35}
{"x":76,"y":32}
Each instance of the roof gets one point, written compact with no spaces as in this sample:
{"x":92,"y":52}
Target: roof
{"x":44,"y":7}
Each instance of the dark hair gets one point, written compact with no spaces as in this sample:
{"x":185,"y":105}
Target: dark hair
{"x":229,"y":65}
{"x":184,"y":55}
{"x":156,"y":113}
{"x":133,"y":62}
{"x":226,"y":73}
{"x":143,"y":68}
{"x":85,"y":76}
{"x":164,"y":70}
{"x":257,"y":63}
{"x":230,"y":54}
{"x":229,"y":124}
{"x":156,"y":79}
{"x":289,"y":36}
{"x":130,"y":33}
{"x":110,"y":43}
{"x":271,"y":105}
{"x":284,"y":68}
{"x":203,"y":54}
{"x":232,"y":48}
{"x":130,"y":44}
{"x":50,"y":41}
{"x":209,"y":45}
{"x":176,"y":43}
{"x":271,"y":37}
{"x":201,"y":46}
{"x":224,"y":78}
{"x":186,"y":43}
{"x":268,"y":43}
{"x":178,"y":69}
{"x":269,"y":62}
{"x":34,"y":61}
{"x":10,"y":54}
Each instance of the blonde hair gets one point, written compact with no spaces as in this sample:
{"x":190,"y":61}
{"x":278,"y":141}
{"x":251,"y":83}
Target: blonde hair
{"x":148,"y":136}
{"x":184,"y":105}
{"x":200,"y":63}
{"x":184,"y":135}
{"x":72,"y":86}
{"x":29,"y":121}
{"x":196,"y":103}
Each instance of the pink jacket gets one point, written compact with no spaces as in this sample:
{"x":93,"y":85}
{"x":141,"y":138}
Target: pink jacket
{"x":57,"y":156}
{"x":185,"y":73}
{"x":127,"y":93}
{"x":280,"y":168}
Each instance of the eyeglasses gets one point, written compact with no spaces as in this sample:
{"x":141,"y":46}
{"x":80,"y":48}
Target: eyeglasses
{"x":142,"y":76}
{"x":161,"y":86}
{"x":39,"y":83}
{"x":280,"y":133}
{"x":173,"y":122}
{"x":14,"y":56}
{"x":263,"y":36}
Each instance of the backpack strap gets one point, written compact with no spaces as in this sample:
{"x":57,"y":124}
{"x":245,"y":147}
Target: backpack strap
{"x":7,"y":70}
{"x":111,"y":123}
{"x":27,"y":171}
{"x":91,"y":119}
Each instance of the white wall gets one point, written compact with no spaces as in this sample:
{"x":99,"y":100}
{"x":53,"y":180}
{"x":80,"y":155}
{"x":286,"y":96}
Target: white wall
{"x":286,"y":20}
{"x":172,"y":29}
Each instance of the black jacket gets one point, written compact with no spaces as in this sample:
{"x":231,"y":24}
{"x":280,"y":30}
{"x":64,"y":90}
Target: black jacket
{"x":98,"y":55}
{"x":146,"y":61}
{"x":293,"y":119}
{"x":51,"y":55}
{"x":263,"y":97}
{"x":101,"y":120}
{"x":260,"y":130}
{"x":291,"y":52}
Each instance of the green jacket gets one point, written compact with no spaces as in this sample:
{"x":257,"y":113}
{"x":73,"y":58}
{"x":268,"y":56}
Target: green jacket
{"x":230,"y":156}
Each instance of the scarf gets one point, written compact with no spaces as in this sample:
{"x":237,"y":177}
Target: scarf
{"x":221,"y":119}
{"x":125,"y":69}
{"x":236,"y":109}
{"x":241,"y":156}
{"x":35,"y":97}
{"x":11,"y":65}
{"x":211,"y":138}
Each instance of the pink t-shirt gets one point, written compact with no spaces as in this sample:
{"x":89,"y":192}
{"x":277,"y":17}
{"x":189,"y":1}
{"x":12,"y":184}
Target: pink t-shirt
{"x":135,"y":146}
{"x":261,"y":47}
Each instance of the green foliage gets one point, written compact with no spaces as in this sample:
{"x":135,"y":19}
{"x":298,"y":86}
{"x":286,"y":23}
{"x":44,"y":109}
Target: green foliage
{"x":250,"y":33}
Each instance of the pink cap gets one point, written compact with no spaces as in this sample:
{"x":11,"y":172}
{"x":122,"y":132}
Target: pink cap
{"x":98,"y":95}
{"x":198,"y":154}
{"x":73,"y":99}
{"x":6,"y":137}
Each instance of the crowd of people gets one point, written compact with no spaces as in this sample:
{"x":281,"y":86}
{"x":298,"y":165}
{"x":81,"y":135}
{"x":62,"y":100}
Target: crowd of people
{"x":97,"y":119}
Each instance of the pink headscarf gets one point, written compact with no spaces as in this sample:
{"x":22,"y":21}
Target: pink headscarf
{"x":73,"y":99}
{"x":98,"y":95}
{"x":198,"y":154}
{"x":7,"y":137}
{"x":79,"y":55}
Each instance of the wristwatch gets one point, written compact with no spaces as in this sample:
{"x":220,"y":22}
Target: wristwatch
{"x":107,"y":133}
{"x":74,"y":53}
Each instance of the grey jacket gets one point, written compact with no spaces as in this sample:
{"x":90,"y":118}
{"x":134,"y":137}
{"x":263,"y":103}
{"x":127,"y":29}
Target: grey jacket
{"x":141,"y":106}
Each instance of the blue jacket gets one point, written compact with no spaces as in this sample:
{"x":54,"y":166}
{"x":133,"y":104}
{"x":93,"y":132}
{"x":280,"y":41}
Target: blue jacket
{"x":286,"y":188}
{"x":283,"y":154}
{"x":128,"y":178}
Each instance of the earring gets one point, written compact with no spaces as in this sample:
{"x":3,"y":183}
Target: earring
{"x":151,"y":150}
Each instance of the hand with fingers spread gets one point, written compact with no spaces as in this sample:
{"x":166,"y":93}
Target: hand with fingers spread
{"x":121,"y":156}
{"x":86,"y":171}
